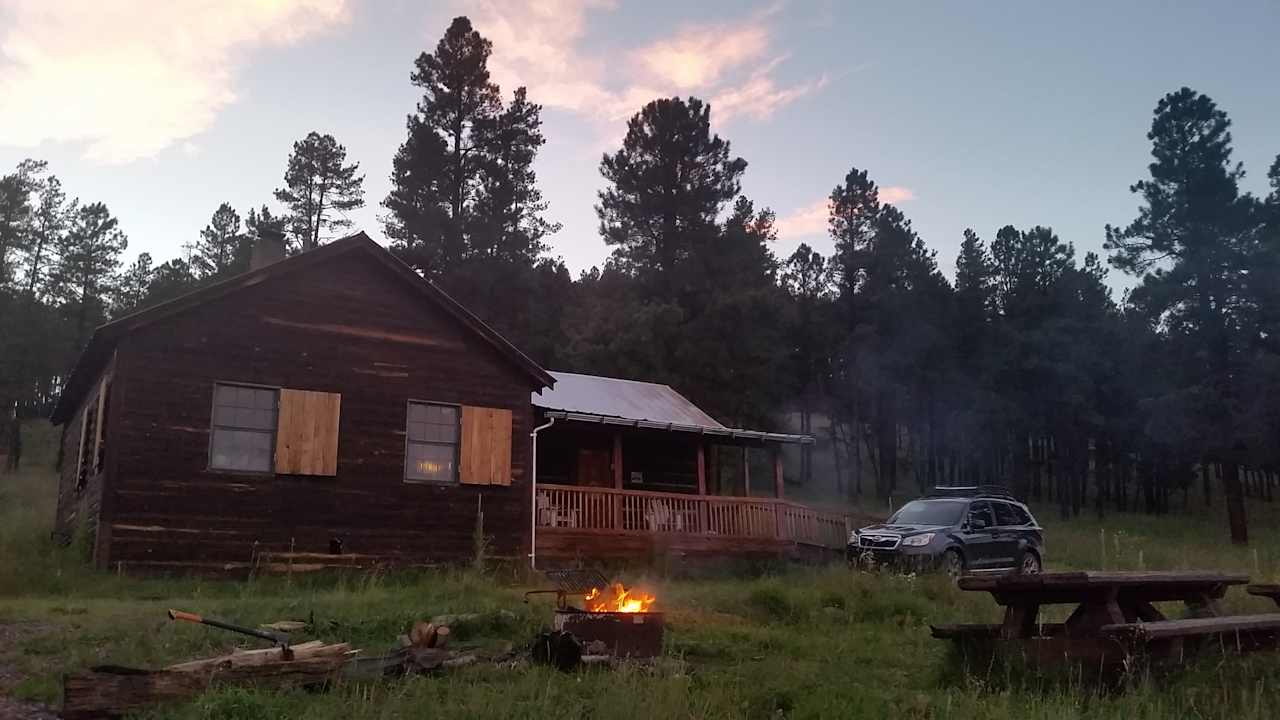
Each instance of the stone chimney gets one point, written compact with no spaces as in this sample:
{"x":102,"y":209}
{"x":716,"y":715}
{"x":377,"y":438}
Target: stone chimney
{"x":268,"y":249}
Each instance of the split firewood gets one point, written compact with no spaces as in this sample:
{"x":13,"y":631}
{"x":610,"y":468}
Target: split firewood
{"x":115,"y":691}
{"x":284,"y":626}
{"x":441,"y":638}
{"x":422,"y":634}
{"x":462,"y":660}
{"x":264,"y":656}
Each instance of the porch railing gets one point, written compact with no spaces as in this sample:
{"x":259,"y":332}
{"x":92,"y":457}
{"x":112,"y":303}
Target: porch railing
{"x":607,"y":510}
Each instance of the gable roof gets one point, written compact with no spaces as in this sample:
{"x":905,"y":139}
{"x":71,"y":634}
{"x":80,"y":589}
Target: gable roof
{"x":615,"y":401}
{"x":103,"y":342}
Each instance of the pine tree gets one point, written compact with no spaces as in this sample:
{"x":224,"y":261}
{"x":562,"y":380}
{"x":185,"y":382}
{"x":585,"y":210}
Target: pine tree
{"x":436,"y":174}
{"x":48,"y":227}
{"x":133,"y":287}
{"x":87,"y":261}
{"x":319,"y":189}
{"x":16,"y":209}
{"x":667,"y":185}
{"x":222,"y":249}
{"x":1191,"y":245}
{"x":507,"y":215}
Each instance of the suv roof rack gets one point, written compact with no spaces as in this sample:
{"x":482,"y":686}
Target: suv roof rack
{"x":990,"y":491}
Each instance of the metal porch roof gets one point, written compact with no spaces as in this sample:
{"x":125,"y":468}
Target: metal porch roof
{"x":632,"y":403}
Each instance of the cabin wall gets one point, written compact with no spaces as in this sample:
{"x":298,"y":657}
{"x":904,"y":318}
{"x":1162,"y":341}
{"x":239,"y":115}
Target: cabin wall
{"x":80,"y":505}
{"x":343,"y":326}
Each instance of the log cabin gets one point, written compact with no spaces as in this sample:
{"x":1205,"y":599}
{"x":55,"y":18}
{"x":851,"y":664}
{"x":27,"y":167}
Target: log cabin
{"x":335,"y":409}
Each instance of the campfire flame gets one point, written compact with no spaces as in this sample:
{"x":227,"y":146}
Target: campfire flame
{"x":617,"y":598}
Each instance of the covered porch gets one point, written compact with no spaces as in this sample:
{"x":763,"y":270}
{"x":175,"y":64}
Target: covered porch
{"x":626,"y":470}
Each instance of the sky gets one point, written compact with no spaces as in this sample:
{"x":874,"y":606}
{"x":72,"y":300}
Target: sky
{"x":967,"y":114}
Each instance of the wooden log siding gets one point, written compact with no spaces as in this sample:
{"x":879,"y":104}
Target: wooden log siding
{"x":307,"y":433}
{"x":168,"y":507}
{"x":486,"y":446}
{"x":610,"y":511}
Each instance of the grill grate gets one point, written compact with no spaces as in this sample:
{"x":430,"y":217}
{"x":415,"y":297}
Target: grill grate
{"x":577,"y":582}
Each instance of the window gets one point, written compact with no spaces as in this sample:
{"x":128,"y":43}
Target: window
{"x":243,"y":434}
{"x":431,"y":443}
{"x":980,"y":516}
{"x":88,"y":440}
{"x":1007,"y":515}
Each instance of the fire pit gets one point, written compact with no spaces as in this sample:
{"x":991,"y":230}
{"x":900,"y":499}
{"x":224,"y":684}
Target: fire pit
{"x":614,"y":621}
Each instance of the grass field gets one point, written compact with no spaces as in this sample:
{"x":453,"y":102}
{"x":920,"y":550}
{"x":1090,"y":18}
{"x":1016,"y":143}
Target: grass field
{"x":796,"y":643}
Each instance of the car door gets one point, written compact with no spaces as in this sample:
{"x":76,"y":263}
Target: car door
{"x":976,"y":536}
{"x":1007,"y":535}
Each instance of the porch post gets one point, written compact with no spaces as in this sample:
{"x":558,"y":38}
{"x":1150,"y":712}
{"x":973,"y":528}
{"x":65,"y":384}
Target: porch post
{"x":619,"y":523}
{"x":702,"y":469}
{"x":746,"y":473}
{"x":617,"y":461}
{"x":702,"y":486}
{"x":777,"y":472}
{"x":778,"y":510}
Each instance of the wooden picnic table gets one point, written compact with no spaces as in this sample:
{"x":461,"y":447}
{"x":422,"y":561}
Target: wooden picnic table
{"x":1101,"y":598}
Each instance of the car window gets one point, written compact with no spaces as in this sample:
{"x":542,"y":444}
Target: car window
{"x":1007,"y":515}
{"x":980,"y":515}
{"x":929,"y":512}
{"x":1024,"y":517}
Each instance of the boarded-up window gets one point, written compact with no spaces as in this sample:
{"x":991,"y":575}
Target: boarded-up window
{"x":104,"y":408}
{"x":242,"y":437}
{"x":431,"y":443}
{"x":307,"y":440}
{"x":486,"y":446}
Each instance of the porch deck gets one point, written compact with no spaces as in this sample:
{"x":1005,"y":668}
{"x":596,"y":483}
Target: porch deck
{"x":610,"y":524}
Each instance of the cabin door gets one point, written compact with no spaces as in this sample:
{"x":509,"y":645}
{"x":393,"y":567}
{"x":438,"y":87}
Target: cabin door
{"x":593,"y":468}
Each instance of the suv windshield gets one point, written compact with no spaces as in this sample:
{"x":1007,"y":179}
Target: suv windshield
{"x":929,"y":512}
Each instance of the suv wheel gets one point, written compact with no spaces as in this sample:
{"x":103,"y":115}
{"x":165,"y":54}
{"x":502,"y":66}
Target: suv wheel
{"x":953,"y":563}
{"x":1030,"y":564}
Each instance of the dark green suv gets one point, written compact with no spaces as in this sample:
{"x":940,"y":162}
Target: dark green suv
{"x":960,"y":530}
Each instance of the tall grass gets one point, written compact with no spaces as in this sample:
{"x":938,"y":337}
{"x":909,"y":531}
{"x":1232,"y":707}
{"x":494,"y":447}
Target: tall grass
{"x":792,"y":642}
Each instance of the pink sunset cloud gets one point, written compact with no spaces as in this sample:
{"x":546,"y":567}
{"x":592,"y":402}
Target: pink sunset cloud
{"x":811,"y":219}
{"x":147,"y":75}
{"x":538,"y":45}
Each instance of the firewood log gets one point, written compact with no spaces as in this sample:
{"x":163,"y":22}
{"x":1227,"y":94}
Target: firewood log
{"x":115,"y":691}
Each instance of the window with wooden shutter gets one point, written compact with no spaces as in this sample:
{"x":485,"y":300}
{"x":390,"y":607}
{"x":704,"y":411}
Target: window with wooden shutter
{"x":431,"y":443}
{"x":242,"y":432}
{"x":307,"y":435}
{"x":486,"y":446}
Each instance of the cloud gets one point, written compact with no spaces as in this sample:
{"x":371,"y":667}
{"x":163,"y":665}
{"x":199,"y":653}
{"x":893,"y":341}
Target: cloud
{"x":804,"y":222}
{"x":698,"y":55}
{"x":130,"y":78}
{"x":811,"y":219}
{"x":539,"y":44}
{"x":759,"y":97}
{"x":896,"y":194}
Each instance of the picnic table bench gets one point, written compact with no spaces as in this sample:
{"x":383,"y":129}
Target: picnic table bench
{"x":1270,"y":591}
{"x":1114,"y":618}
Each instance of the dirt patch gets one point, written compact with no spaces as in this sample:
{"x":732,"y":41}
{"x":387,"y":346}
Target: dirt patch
{"x":11,"y":709}
{"x":11,"y":635}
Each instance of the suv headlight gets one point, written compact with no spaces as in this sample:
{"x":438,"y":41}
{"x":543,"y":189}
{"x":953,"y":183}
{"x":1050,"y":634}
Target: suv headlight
{"x":918,"y":540}
{"x":853,"y":537}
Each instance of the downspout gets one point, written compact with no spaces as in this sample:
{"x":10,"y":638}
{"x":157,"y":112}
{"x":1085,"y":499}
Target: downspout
{"x":533,"y":496}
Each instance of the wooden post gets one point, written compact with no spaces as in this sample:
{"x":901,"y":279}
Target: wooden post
{"x":777,"y":472}
{"x":778,"y":509}
{"x":746,"y":473}
{"x":702,"y":469}
{"x":702,"y":487}
{"x":618,"y":522}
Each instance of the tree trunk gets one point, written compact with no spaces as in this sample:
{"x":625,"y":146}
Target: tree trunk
{"x":886,"y":443}
{"x":1236,"y":517}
